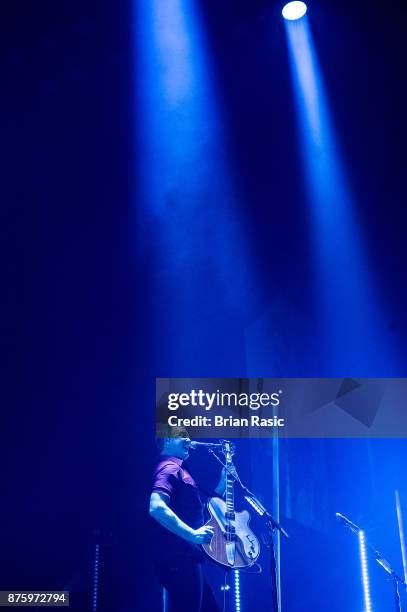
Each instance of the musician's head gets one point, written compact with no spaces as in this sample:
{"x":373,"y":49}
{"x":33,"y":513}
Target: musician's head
{"x":174,"y":441}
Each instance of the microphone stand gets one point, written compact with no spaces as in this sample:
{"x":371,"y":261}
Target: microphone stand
{"x":395,"y":578}
{"x":271,"y":524}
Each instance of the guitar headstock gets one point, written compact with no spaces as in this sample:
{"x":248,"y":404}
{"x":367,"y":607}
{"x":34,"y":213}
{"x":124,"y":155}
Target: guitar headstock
{"x":228,"y":449}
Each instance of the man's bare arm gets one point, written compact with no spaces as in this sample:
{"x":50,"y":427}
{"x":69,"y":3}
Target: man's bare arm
{"x":162,"y":513}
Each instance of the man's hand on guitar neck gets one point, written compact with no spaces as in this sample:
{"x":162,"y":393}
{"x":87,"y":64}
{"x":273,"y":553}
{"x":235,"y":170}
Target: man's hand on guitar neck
{"x":221,"y":486}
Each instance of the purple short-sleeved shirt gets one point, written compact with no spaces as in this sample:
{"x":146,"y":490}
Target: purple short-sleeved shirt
{"x":172,"y":479}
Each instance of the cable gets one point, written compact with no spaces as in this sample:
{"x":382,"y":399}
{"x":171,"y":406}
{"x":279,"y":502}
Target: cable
{"x":224,"y":591}
{"x":260,"y":569}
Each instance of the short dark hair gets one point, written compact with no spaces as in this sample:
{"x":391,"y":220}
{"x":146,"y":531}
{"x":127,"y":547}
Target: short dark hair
{"x":164,"y":431}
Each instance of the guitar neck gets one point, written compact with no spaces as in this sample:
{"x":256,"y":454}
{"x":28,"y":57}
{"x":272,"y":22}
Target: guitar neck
{"x":229,"y":493}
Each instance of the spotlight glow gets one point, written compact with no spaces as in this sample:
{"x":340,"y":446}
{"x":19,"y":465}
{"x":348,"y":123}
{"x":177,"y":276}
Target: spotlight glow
{"x":294,"y":10}
{"x":345,"y":301}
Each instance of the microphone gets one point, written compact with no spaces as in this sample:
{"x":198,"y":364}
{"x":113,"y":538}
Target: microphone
{"x":194,"y":445}
{"x":347,"y":522}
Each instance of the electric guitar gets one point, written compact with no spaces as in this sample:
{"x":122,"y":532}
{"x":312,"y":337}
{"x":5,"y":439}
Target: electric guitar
{"x":233,"y":543}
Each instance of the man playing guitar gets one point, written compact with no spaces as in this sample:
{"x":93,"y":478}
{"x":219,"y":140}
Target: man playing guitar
{"x":179,"y":530}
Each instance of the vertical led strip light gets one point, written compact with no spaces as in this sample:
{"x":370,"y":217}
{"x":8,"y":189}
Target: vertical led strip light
{"x":237,"y":591}
{"x":96,"y":579}
{"x":401,"y":532}
{"x":365,"y":573}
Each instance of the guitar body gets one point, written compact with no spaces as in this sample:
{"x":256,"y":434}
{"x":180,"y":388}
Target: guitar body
{"x":233,"y":544}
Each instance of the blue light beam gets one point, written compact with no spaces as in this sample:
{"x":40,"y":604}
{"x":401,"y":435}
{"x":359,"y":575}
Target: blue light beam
{"x":187,"y":202}
{"x":354,"y":336}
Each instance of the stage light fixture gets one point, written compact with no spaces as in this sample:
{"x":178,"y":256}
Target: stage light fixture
{"x":294,"y":10}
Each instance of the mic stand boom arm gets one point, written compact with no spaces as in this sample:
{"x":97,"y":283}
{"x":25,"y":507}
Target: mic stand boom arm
{"x":386,"y":566}
{"x":395,"y":578}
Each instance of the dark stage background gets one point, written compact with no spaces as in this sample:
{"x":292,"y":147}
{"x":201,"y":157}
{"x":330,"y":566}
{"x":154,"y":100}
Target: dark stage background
{"x":96,"y":303}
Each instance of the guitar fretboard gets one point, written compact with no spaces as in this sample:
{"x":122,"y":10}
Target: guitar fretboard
{"x":230,"y":500}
